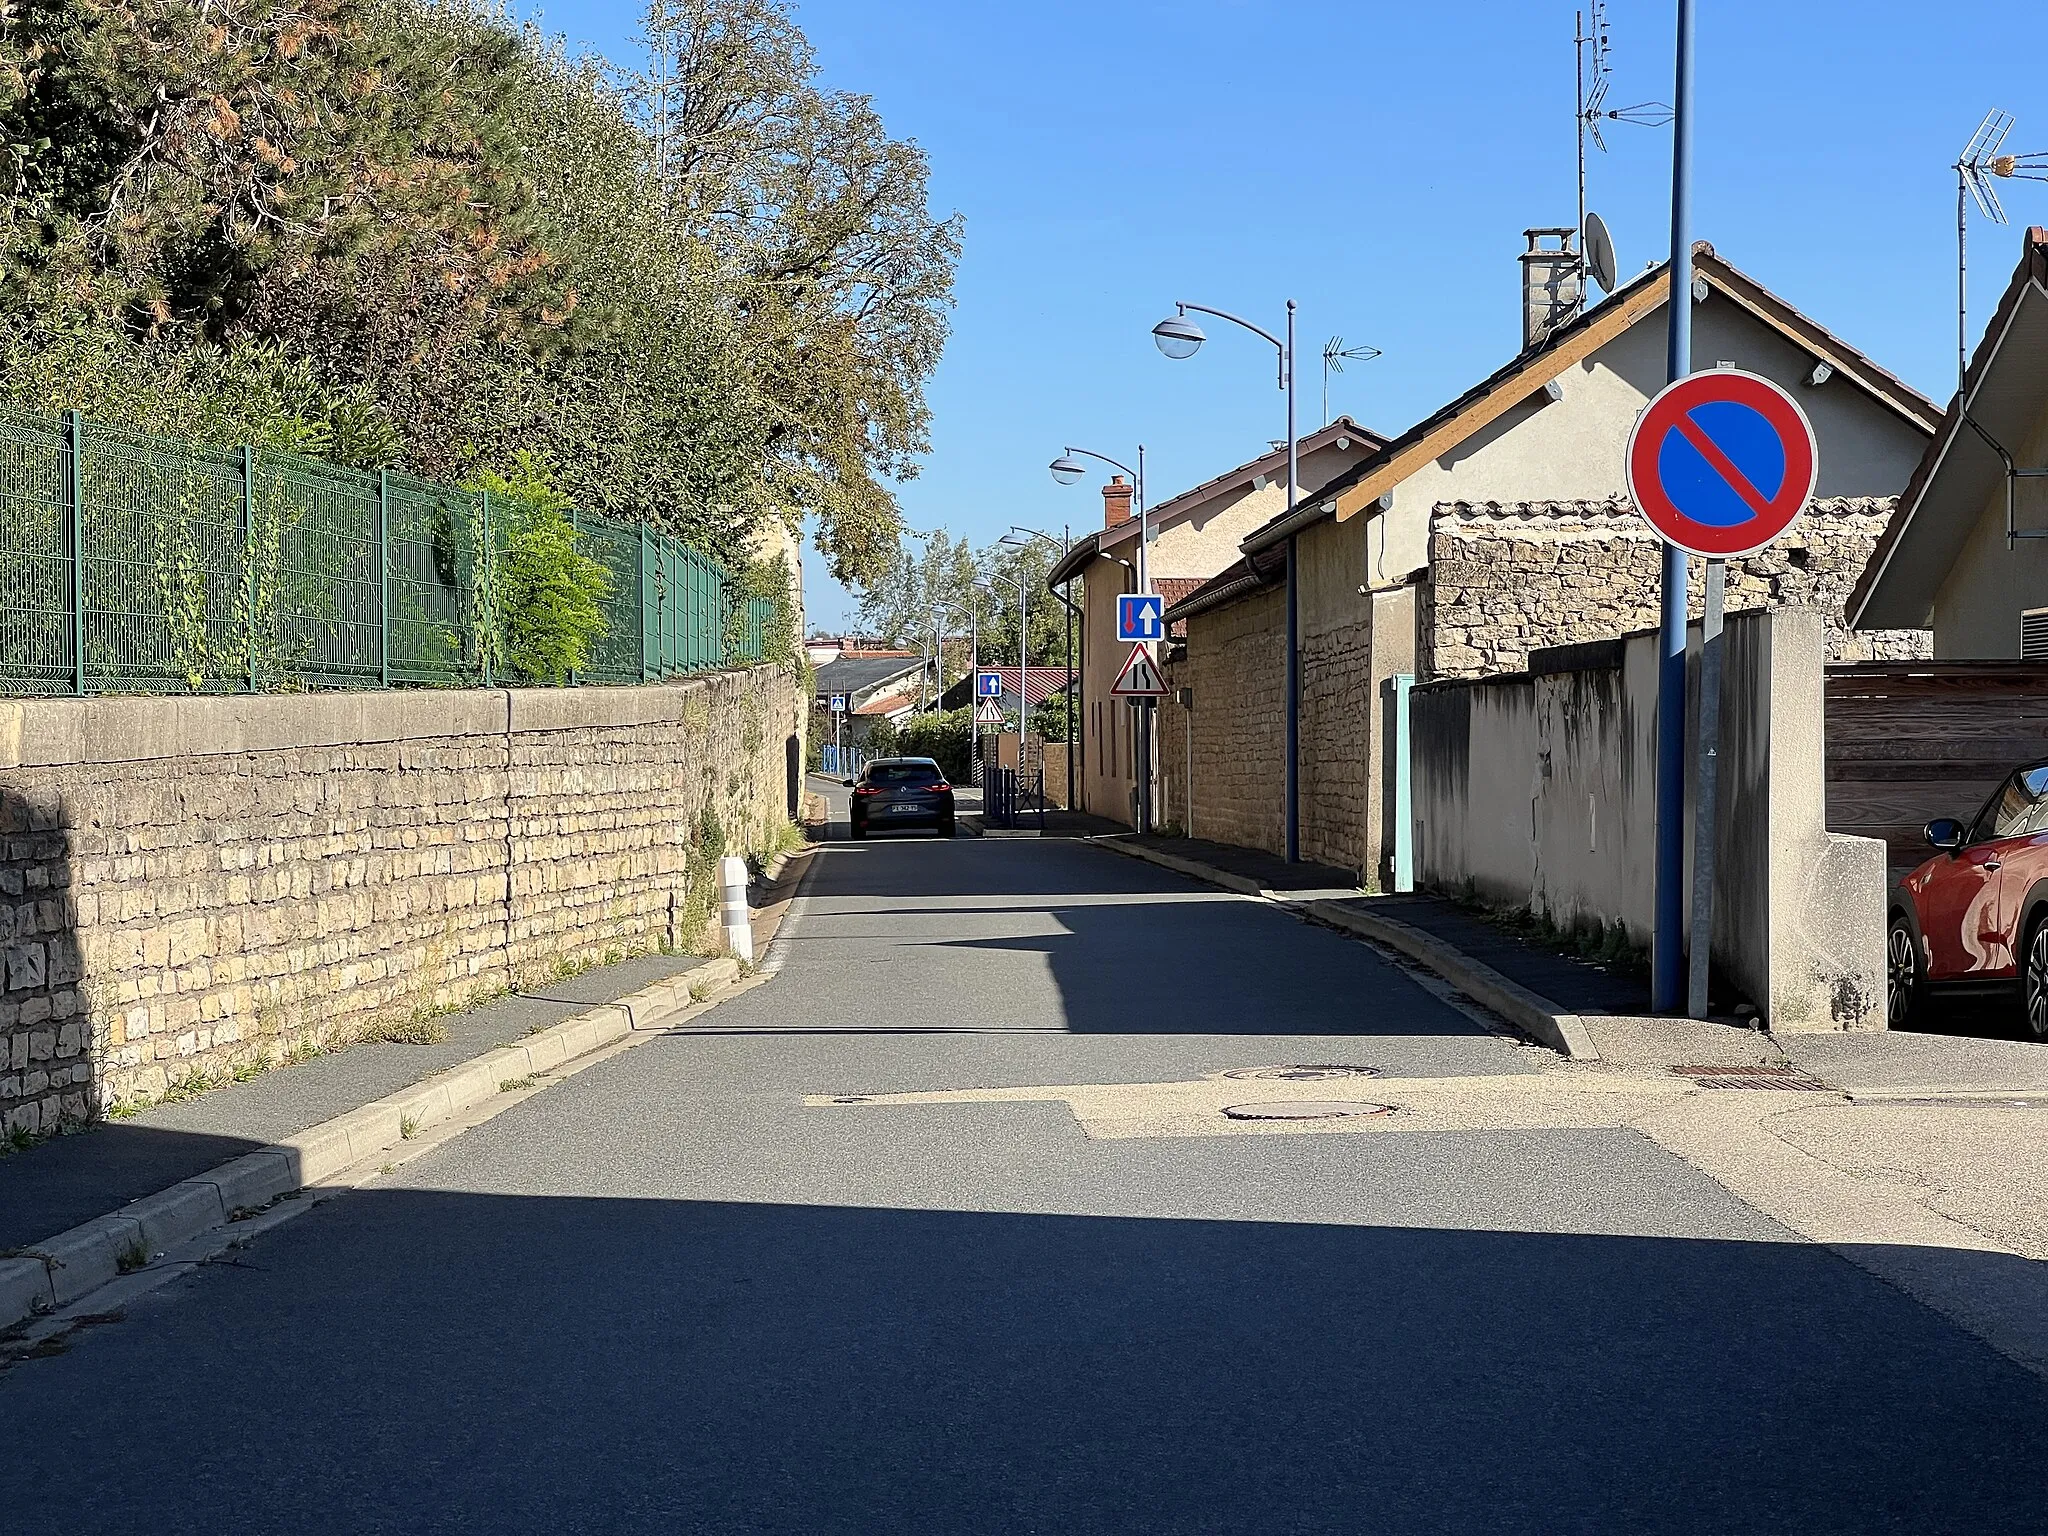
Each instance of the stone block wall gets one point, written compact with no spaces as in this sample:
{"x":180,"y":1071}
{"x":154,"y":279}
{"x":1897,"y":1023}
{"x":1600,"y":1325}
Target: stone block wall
{"x":189,"y":884}
{"x":1235,"y":663}
{"x":1507,"y":579}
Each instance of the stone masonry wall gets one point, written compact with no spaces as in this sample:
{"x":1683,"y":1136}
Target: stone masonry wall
{"x":1235,"y":664}
{"x":1506,"y":579}
{"x":189,"y":885}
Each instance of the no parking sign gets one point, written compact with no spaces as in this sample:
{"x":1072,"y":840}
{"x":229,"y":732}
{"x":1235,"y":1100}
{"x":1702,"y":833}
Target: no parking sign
{"x":1721,"y":463}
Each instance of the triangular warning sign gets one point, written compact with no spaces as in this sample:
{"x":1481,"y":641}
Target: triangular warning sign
{"x":988,"y":712}
{"x":1140,"y":677}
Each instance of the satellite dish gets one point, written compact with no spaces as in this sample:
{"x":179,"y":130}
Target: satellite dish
{"x":1599,"y":252}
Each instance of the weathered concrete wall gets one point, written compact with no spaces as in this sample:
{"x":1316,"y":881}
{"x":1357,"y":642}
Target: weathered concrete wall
{"x":1538,"y":790}
{"x":1508,"y":579}
{"x":187,"y":884}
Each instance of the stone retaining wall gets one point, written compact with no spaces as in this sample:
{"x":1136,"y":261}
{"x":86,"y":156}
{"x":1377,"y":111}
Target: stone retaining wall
{"x":1508,"y":579}
{"x":190,"y":885}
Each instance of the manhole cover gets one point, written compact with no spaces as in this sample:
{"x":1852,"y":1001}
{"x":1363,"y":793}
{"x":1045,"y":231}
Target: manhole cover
{"x":1309,"y":1074}
{"x":1754,"y":1077}
{"x":1307,"y":1109}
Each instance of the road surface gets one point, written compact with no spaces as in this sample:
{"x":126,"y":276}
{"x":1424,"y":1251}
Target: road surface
{"x":940,"y":1228}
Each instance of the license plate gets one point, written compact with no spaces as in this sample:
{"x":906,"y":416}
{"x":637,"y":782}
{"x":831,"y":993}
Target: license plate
{"x":905,"y":810}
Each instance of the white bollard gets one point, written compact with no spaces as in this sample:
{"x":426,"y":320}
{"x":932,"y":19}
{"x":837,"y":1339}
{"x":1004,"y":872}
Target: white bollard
{"x":739,"y":922}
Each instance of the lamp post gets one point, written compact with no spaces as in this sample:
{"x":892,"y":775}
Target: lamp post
{"x":1062,"y":545}
{"x":1066,"y":469}
{"x":973,"y":613}
{"x":1179,"y":337}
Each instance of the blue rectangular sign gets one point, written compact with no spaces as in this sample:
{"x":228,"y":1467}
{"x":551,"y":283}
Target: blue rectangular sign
{"x":988,"y":685}
{"x":1140,"y":617}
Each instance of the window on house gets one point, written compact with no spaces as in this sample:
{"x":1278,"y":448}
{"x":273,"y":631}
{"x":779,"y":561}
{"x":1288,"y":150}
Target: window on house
{"x":2034,"y":634}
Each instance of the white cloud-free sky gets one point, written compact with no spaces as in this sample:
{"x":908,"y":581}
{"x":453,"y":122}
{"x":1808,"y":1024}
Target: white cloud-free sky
{"x":1378,"y":162}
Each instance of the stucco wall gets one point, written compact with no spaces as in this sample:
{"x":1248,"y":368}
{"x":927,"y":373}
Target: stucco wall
{"x":189,"y":884}
{"x":1538,"y":791}
{"x":1507,"y":580}
{"x":1977,"y":608}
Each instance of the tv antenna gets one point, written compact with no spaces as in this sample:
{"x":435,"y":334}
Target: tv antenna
{"x":1590,"y":48}
{"x":1335,"y":356}
{"x":1982,"y":160}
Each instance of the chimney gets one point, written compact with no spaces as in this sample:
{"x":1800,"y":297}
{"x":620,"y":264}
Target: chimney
{"x":1116,"y":502}
{"x":1550,"y":282}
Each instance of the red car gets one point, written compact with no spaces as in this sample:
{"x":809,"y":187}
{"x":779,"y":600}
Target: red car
{"x":1974,"y":918}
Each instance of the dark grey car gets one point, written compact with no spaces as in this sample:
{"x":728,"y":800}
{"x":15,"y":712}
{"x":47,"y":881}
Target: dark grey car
{"x":903,"y":792}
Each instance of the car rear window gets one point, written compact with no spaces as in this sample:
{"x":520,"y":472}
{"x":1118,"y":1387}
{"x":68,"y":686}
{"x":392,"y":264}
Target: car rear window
{"x":902,"y":773}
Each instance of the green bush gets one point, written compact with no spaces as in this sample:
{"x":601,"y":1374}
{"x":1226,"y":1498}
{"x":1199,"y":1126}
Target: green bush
{"x":946,"y":738}
{"x":549,"y":595}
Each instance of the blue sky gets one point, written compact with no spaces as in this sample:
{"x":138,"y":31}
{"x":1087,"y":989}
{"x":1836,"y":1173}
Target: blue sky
{"x":1378,"y":163}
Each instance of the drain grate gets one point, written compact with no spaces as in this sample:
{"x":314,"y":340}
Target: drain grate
{"x":1754,"y":1076}
{"x":1307,"y":1109}
{"x":1303,"y":1074}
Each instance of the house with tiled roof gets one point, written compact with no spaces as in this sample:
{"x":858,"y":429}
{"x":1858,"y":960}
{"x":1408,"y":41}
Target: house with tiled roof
{"x":1497,"y":524}
{"x":879,"y":684}
{"x":1194,"y":534}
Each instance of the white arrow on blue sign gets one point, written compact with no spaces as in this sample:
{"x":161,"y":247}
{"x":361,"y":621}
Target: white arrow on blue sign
{"x":988,"y":685}
{"x":1140,"y":616}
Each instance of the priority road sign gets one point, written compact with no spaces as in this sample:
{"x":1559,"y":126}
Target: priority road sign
{"x":838,"y":703}
{"x":988,"y":712}
{"x":988,"y":685}
{"x":1720,"y":463}
{"x":1140,"y":677}
{"x":1140,"y":616}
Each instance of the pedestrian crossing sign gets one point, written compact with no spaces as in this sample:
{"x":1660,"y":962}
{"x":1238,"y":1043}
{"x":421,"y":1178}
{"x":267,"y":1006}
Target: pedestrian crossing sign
{"x":1140,"y":677}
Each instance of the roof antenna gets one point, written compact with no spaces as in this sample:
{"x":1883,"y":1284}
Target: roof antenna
{"x":1596,"y":75}
{"x":1335,"y":355}
{"x":1979,"y":162}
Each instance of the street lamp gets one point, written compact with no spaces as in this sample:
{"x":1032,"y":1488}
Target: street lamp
{"x":1062,"y":545}
{"x":1179,"y":337}
{"x":973,"y":612}
{"x":1066,"y":469}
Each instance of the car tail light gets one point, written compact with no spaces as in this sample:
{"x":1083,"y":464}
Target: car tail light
{"x":866,"y":789}
{"x":941,"y":789}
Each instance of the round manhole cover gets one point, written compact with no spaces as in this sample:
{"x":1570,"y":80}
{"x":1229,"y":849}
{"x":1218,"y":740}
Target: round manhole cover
{"x":1307,"y":1109}
{"x":1298,"y":1074}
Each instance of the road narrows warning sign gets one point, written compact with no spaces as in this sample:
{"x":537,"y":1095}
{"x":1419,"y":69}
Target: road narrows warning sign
{"x":988,"y":712}
{"x":1140,"y":677}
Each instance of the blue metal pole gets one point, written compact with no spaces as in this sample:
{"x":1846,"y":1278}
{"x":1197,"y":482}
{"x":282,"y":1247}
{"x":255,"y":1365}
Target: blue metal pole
{"x":1667,"y":956}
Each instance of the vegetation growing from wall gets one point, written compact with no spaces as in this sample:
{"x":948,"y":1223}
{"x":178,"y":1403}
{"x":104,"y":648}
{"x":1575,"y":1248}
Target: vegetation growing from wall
{"x":549,"y":594}
{"x":414,"y":234}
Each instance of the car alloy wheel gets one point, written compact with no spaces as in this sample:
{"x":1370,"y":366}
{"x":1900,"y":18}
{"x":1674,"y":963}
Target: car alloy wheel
{"x":2037,"y":981}
{"x":1902,"y":973}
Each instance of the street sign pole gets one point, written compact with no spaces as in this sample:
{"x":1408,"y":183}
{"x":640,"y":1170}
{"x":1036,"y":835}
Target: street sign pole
{"x":1706,"y":792}
{"x":1144,"y":715}
{"x":1667,"y":961}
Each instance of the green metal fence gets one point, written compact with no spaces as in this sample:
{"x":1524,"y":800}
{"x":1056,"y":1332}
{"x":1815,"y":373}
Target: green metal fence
{"x":138,"y":564}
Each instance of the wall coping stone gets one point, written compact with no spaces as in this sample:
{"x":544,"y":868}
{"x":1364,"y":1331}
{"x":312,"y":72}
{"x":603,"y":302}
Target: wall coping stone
{"x":56,"y":733}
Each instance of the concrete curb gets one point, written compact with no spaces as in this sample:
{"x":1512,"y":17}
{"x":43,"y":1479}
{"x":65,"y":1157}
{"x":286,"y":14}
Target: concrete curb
{"x":1532,"y":1013}
{"x":59,"y":1270}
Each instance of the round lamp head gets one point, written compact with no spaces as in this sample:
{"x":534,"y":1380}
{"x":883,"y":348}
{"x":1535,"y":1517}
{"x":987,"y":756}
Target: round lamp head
{"x":1067,"y":469}
{"x":1178,"y":336}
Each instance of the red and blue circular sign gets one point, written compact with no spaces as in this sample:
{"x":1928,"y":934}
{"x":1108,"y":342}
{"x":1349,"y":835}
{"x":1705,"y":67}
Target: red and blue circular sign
{"x":1721,"y":463}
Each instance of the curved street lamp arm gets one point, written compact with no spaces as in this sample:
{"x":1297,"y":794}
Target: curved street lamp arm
{"x":1224,"y":314}
{"x":1090,"y":453}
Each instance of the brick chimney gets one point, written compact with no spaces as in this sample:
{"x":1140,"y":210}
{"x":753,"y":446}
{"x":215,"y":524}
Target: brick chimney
{"x":1116,"y":502}
{"x":1550,"y":282}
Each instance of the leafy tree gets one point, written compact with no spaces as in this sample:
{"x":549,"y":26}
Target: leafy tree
{"x":946,"y":737}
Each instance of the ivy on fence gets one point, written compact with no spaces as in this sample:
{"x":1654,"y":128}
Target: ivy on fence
{"x":139,"y":564}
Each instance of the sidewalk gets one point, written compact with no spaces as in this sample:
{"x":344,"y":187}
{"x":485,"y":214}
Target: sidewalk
{"x":72,"y":1178}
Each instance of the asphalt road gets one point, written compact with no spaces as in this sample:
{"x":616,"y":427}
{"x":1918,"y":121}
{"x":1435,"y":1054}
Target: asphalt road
{"x":668,"y":1294}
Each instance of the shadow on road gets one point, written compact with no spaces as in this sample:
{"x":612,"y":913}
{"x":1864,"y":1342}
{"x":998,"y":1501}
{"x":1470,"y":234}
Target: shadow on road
{"x":551,"y":1364}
